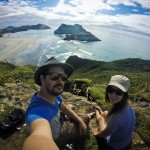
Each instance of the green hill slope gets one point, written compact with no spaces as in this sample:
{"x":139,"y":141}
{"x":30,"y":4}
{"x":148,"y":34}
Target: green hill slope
{"x":130,"y":64}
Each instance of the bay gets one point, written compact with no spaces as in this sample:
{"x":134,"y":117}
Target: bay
{"x":39,"y":45}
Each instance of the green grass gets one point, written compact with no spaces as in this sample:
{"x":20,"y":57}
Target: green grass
{"x":140,"y":87}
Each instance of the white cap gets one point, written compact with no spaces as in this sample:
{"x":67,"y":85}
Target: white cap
{"x":120,"y":81}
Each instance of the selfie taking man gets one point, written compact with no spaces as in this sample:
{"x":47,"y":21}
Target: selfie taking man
{"x":43,"y":113}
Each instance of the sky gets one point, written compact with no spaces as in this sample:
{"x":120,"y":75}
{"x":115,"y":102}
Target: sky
{"x":132,"y":15}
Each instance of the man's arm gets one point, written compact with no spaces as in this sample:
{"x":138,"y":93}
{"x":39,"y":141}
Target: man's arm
{"x":40,"y":137}
{"x":70,"y":113}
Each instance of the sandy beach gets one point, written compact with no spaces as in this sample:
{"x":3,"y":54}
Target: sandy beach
{"x":10,"y":47}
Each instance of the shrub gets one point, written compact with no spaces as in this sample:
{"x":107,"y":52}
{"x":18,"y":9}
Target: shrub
{"x":97,"y":93}
{"x":143,"y":126}
{"x":2,"y":80}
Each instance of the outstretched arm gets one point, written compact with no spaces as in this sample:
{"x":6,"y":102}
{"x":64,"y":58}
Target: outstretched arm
{"x":40,"y":137}
{"x":70,"y":113}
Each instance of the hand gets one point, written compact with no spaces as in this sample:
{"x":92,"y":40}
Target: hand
{"x":97,"y":108}
{"x":95,"y":131}
{"x":98,"y":116}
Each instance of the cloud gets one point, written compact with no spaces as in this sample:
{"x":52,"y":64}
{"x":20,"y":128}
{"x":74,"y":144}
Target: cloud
{"x":143,"y":3}
{"x":123,"y":2}
{"x":85,"y":11}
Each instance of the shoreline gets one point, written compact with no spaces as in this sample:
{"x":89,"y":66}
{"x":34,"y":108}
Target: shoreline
{"x":10,"y":47}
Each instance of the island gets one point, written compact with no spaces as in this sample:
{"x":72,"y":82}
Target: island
{"x":12,"y":29}
{"x":75,"y":32}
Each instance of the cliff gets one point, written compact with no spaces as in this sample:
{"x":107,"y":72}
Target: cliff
{"x":69,"y":29}
{"x":75,"y":32}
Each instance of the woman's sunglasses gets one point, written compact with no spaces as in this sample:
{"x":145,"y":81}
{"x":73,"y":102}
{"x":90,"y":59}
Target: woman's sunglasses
{"x":55,"y":76}
{"x":117,"y":91}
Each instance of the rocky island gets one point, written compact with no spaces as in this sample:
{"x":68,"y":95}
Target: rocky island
{"x":12,"y":29}
{"x":75,"y":32}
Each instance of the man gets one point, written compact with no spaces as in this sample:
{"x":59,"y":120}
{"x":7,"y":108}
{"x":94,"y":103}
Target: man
{"x":43,"y":112}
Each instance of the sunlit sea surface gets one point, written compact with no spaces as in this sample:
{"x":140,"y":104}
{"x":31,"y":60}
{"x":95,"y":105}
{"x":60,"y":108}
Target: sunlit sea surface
{"x":114,"y":45}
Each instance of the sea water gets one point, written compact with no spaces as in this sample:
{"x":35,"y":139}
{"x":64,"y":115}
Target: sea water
{"x":114,"y":45}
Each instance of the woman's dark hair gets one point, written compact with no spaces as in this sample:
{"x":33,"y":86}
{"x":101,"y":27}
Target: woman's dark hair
{"x":118,"y":106}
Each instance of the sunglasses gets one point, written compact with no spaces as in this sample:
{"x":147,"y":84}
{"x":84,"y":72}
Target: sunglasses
{"x":55,"y":76}
{"x":117,"y":91}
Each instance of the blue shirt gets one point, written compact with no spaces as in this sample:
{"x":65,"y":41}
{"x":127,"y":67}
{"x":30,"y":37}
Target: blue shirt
{"x":40,"y":108}
{"x":122,"y":125}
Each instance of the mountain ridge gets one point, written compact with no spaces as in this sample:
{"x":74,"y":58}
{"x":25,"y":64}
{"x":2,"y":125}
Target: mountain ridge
{"x":128,"y":64}
{"x":12,"y":29}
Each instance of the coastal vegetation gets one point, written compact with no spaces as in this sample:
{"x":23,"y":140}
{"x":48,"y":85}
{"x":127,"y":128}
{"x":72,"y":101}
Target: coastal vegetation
{"x":17,"y":86}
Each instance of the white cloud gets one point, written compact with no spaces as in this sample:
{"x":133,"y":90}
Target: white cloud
{"x":147,"y":13}
{"x":143,"y":3}
{"x":135,"y":21}
{"x":90,"y":5}
{"x":124,"y":2}
{"x":135,"y":10}
{"x":84,"y":11}
{"x":18,"y":2}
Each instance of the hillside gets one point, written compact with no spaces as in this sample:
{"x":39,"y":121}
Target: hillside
{"x":130,"y":64}
{"x":12,"y":29}
{"x":17,"y":87}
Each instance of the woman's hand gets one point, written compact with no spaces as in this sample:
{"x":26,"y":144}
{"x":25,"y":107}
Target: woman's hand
{"x":97,"y":108}
{"x":95,"y":131}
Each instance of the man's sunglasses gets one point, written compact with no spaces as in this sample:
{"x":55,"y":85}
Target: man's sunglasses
{"x":55,"y":76}
{"x":117,"y":91}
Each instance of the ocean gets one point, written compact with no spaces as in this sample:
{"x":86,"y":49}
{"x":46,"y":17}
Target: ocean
{"x":114,"y":45}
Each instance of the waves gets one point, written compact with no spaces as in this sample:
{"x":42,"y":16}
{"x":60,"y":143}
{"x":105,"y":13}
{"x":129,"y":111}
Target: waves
{"x":62,"y":50}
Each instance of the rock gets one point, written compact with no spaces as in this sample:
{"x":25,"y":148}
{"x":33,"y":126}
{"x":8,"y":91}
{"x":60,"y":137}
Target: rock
{"x":82,"y":37}
{"x":144,"y":104}
{"x":69,"y":29}
{"x":75,"y":32}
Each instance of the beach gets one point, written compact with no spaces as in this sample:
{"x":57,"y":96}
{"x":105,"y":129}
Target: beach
{"x":11,"y":48}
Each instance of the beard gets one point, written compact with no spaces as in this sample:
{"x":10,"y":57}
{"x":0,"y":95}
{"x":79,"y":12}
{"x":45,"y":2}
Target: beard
{"x":55,"y":90}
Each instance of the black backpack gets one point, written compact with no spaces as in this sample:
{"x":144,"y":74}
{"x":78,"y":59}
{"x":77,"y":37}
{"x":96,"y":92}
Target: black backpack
{"x":12,"y":122}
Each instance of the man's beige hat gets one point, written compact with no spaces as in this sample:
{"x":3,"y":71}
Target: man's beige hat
{"x":52,"y":62}
{"x":120,"y":81}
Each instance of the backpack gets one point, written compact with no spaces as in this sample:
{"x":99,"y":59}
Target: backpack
{"x":11,"y":122}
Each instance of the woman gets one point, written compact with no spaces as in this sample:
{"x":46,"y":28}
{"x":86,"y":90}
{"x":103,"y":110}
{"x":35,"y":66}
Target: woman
{"x":115,"y":127}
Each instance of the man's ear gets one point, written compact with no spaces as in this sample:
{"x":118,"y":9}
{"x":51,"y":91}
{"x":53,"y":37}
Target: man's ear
{"x":42,"y":78}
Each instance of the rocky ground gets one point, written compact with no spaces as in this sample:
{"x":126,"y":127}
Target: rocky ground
{"x":83,"y":106}
{"x":18,"y":95}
